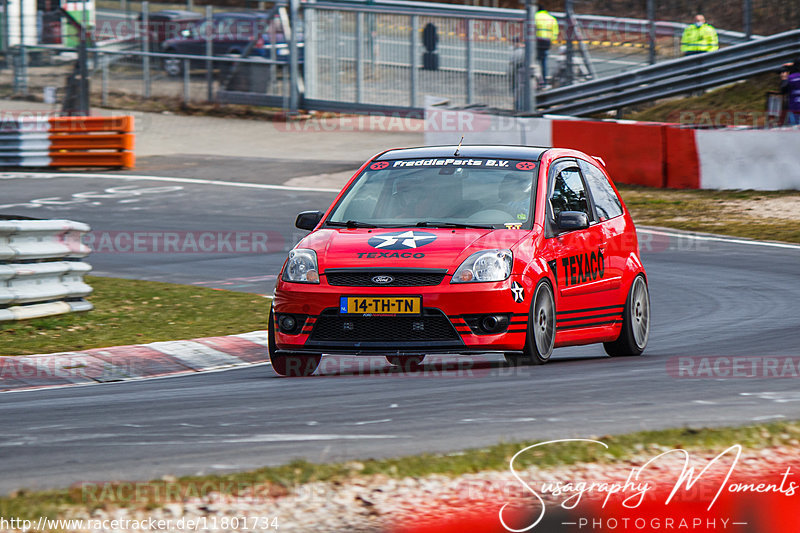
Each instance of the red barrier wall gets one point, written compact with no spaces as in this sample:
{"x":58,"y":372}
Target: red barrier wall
{"x":681,"y":163}
{"x":633,"y":153}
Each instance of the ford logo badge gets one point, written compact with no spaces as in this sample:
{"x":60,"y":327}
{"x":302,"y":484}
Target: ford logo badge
{"x":382,"y":280}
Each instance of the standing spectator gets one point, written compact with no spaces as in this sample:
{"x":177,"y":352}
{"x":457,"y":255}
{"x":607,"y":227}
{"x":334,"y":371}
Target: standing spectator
{"x":517,"y":74}
{"x":699,"y":37}
{"x":790,"y":87}
{"x":546,"y":34}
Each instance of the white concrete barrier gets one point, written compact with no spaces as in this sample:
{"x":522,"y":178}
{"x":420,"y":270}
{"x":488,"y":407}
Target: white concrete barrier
{"x":765,"y":160}
{"x":40,"y":269}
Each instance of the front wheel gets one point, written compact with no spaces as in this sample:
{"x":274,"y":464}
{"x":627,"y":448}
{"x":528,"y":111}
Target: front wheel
{"x":635,"y":332}
{"x":289,"y":364}
{"x":541,"y":337}
{"x":173,"y":66}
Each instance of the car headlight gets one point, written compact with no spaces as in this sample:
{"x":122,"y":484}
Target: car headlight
{"x":486,"y":265}
{"x":301,"y":267}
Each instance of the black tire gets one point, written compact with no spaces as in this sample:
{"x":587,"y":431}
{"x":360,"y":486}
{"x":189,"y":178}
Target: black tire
{"x":289,"y":364}
{"x":541,"y":337}
{"x":410,"y":363}
{"x":226,"y":67}
{"x":172,"y":65}
{"x":635,"y":332}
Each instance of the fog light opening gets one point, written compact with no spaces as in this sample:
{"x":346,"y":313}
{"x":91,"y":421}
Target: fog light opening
{"x":494,"y":323}
{"x":288,"y":324}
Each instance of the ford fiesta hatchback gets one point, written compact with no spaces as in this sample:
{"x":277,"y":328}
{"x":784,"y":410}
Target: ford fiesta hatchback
{"x":463,"y":250}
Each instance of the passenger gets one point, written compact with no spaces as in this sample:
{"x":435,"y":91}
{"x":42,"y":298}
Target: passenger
{"x":515,"y":194}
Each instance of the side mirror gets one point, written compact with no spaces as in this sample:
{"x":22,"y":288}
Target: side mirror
{"x":572,"y":220}
{"x":308,"y":220}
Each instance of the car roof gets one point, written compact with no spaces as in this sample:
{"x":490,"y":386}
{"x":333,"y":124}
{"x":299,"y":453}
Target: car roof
{"x":529,"y":153}
{"x":241,"y":14}
{"x":178,"y":13}
{"x":173,"y":13}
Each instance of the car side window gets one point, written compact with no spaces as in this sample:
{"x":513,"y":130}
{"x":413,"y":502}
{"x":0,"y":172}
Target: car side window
{"x":606,"y":202}
{"x":567,"y":191}
{"x":243,"y":29}
{"x":221,"y":28}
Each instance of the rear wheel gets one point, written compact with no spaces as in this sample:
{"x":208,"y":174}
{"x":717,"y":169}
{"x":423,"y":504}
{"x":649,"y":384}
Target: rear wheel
{"x":289,"y":364}
{"x":635,"y":332}
{"x":541,"y":337}
{"x":408,"y":363}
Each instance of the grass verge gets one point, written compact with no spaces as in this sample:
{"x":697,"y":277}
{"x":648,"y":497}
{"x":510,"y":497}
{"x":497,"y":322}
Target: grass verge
{"x":137,"y":312}
{"x":766,"y":215}
{"x":276,"y":480}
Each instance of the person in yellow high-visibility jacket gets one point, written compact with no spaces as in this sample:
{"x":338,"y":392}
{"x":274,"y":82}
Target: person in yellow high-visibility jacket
{"x":699,"y":37}
{"x":546,"y":34}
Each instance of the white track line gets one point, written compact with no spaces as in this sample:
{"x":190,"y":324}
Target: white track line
{"x":137,"y":379}
{"x":49,"y":175}
{"x":713,"y":238}
{"x":129,"y":177}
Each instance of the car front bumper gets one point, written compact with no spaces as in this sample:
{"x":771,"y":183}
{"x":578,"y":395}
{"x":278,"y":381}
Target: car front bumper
{"x":450,"y":322}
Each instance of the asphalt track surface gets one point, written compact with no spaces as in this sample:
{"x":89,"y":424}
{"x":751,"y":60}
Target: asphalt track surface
{"x":710,"y":297}
{"x":121,"y":209}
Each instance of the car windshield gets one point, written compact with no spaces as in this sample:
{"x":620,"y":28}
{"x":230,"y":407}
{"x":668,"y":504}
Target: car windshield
{"x":443,"y":192}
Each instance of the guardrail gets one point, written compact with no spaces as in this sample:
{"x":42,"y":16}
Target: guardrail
{"x":41,"y":272}
{"x":67,"y":142}
{"x":674,"y":77}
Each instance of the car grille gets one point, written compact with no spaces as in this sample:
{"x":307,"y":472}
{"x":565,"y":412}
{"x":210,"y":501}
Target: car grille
{"x":431,"y":326}
{"x":407,"y":278}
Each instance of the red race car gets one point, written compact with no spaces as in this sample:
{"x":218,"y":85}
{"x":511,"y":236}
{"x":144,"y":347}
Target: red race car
{"x":463,"y":250}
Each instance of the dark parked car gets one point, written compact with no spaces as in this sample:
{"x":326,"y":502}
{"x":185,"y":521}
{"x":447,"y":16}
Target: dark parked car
{"x":168,"y":24}
{"x":231,"y":33}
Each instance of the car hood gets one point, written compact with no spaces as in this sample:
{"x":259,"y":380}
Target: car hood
{"x":404,"y":248}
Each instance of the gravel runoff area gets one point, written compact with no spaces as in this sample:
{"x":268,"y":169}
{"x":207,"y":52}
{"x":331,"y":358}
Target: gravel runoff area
{"x":380,"y":503}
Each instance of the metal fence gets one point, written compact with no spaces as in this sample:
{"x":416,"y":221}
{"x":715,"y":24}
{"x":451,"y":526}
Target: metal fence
{"x":358,"y":54}
{"x":138,"y":74}
{"x":374,"y":58}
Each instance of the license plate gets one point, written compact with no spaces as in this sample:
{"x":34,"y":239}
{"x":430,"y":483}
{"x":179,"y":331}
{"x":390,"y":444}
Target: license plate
{"x":381,"y":305}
